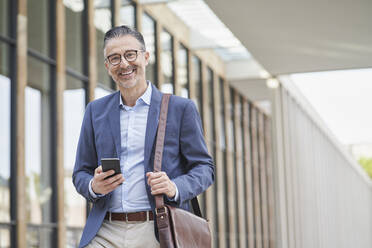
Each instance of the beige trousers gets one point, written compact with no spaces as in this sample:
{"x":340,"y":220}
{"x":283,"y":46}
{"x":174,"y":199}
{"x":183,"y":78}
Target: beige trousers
{"x":120,"y":234}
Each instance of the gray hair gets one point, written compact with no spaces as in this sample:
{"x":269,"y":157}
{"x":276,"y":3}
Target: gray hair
{"x":123,"y":30}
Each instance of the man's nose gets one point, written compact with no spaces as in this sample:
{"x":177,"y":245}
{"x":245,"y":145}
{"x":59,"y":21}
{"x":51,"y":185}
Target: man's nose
{"x":123,"y":62}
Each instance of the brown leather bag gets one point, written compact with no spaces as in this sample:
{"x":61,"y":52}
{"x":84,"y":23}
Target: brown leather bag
{"x":177,"y":228}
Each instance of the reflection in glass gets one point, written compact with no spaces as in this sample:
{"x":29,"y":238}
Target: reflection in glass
{"x":222,"y":116}
{"x":102,"y":22}
{"x":36,"y":236}
{"x":212,"y":140}
{"x":37,"y":151}
{"x":37,"y":194}
{"x":242,"y":126}
{"x":4,"y":237}
{"x":182,"y":73}
{"x":74,"y":106}
{"x":167,"y":62}
{"x":197,"y":79}
{"x":38,"y":28}
{"x":222,"y":136}
{"x":73,"y":236}
{"x":238,"y":113}
{"x":211,"y":111}
{"x":127,"y":14}
{"x":38,"y":173}
{"x":74,"y":34}
{"x":4,"y":150}
{"x":148,"y":32}
{"x":101,"y":92}
{"x":4,"y":58}
{"x":4,"y":17}
{"x":231,"y":110}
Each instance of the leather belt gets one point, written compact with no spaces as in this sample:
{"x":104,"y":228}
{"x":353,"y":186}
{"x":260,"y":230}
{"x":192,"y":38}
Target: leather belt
{"x":130,"y":217}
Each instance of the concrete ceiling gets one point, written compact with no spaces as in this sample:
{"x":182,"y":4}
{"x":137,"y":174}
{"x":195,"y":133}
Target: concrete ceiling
{"x":292,"y":36}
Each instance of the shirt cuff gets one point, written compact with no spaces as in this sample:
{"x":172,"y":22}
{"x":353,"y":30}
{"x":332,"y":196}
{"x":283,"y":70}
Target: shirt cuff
{"x":176,"y":196}
{"x":94,"y":195}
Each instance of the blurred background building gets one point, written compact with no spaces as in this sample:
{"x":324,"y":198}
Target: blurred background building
{"x":282,"y":178}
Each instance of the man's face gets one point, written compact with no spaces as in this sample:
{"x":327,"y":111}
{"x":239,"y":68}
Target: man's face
{"x":126,"y":74}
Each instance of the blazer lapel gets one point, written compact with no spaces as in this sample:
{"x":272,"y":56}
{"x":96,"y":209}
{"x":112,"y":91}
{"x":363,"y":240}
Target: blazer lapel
{"x":152,"y":124}
{"x":114,"y":119}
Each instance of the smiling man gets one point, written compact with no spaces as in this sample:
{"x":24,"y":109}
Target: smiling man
{"x":123,"y":125}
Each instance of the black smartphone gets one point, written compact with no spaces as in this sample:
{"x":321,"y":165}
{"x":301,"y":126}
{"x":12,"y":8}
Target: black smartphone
{"x":111,"y":164}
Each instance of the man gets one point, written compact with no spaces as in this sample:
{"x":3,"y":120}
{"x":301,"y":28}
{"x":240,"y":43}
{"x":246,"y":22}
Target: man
{"x":123,"y":125}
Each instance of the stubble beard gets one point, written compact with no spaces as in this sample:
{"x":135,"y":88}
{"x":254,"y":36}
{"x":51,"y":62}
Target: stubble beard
{"x":128,"y":84}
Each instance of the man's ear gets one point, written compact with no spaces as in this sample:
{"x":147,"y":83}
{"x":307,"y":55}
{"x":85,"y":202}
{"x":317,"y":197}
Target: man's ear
{"x":147,"y":57}
{"x":107,"y":67}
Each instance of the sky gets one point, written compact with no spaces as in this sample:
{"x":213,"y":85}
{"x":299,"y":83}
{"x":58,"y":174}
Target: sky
{"x":343,"y":99}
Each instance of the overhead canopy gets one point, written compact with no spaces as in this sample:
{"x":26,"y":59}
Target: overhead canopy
{"x":291,"y":36}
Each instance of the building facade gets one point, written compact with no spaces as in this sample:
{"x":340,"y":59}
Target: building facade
{"x":52,"y":65}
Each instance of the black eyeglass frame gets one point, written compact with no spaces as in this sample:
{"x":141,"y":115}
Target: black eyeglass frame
{"x":123,"y":55}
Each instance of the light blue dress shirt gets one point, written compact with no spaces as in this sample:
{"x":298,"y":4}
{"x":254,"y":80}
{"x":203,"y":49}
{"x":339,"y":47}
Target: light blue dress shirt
{"x":131,"y":196}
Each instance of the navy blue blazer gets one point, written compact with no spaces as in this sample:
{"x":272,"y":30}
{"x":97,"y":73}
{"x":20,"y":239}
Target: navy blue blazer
{"x":185,"y":158}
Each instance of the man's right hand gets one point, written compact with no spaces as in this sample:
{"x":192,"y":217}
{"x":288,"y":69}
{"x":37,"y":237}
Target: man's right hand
{"x":103,"y":186}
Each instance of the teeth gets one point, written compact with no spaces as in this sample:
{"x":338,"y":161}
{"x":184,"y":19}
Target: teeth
{"x":126,"y":73}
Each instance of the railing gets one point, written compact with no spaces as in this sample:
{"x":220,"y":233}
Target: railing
{"x":323,"y":197}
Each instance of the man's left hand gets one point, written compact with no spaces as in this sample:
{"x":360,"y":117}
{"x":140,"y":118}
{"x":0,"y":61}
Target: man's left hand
{"x":161,"y":184}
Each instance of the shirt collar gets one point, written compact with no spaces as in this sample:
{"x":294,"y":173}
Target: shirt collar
{"x":146,"y":96}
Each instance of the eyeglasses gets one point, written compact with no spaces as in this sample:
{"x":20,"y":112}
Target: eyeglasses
{"x":129,"y":55}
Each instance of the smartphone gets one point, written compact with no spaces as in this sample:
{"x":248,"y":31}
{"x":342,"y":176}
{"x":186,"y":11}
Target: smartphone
{"x":111,"y":164}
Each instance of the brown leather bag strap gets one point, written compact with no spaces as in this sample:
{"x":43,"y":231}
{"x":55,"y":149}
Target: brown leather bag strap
{"x":160,"y":142}
{"x":159,"y":200}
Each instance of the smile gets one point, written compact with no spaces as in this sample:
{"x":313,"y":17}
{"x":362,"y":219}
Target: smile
{"x":126,"y":73}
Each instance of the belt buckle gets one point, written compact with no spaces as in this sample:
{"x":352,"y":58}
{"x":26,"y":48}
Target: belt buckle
{"x":129,"y":221}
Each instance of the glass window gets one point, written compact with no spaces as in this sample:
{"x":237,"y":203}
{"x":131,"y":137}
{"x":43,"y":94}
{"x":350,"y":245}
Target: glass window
{"x":237,"y":114}
{"x":39,"y":236}
{"x":211,"y":111}
{"x":4,"y":237}
{"x":245,"y":180}
{"x":4,"y":17}
{"x":183,"y":72}
{"x":242,"y":129}
{"x":74,"y":34}
{"x":38,"y":25}
{"x":4,"y":58}
{"x":222,"y":136}
{"x":148,"y":32}
{"x":73,"y":236}
{"x":37,"y":152}
{"x":212,"y":142}
{"x":74,"y":107}
{"x":232,"y":140}
{"x":4,"y":148}
{"x":231,"y":110}
{"x":222,"y":116}
{"x":197,"y":79}
{"x":101,"y":92}
{"x":167,"y":62}
{"x":102,"y":22}
{"x":127,"y":14}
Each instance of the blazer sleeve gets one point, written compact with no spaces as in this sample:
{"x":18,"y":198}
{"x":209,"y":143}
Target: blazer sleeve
{"x":199,"y":164}
{"x":86,"y":156}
